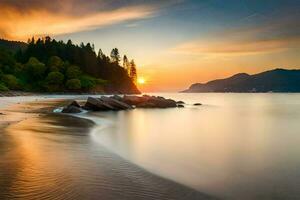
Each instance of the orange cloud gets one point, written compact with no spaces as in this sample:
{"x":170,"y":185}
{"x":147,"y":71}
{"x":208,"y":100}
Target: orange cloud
{"x":264,"y":36}
{"x":22,"y":25}
{"x":240,"y":47}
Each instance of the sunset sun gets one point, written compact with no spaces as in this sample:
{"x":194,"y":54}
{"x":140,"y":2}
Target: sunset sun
{"x":141,"y":81}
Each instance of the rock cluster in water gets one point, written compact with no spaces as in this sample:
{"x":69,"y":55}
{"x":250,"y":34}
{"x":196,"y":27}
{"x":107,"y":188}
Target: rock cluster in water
{"x":122,"y":103}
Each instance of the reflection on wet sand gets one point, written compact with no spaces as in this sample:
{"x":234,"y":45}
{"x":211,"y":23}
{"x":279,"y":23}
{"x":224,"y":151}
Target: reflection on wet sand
{"x":50,"y":156}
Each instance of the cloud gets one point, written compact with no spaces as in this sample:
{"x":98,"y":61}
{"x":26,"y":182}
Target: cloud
{"x":265,"y":35}
{"x":23,"y":19}
{"x":237,"y":48}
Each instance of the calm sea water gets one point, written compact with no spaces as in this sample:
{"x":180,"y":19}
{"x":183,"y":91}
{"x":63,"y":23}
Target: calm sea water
{"x":241,"y":146}
{"x":234,"y":146}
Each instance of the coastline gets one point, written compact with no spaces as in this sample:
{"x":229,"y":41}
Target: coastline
{"x":119,"y":179}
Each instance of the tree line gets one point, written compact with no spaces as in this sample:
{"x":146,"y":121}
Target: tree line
{"x":47,"y":65}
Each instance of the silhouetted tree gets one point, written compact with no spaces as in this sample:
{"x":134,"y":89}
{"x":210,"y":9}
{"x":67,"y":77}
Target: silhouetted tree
{"x":133,"y":72}
{"x":126,"y":64}
{"x":115,"y":56}
{"x":100,"y":55}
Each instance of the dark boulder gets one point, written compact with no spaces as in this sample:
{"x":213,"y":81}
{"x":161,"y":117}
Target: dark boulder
{"x":116,"y":103}
{"x":71,"y":109}
{"x":75,"y":103}
{"x":117,"y":97}
{"x":180,"y":106}
{"x":146,"y":104}
{"x":95,"y":104}
{"x":197,"y":104}
{"x":156,"y":102}
{"x":180,"y":102}
{"x":134,"y":100}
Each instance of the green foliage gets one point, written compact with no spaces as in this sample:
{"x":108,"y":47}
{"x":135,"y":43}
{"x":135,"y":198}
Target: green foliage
{"x":54,"y":82}
{"x":73,"y":84}
{"x":88,"y":82}
{"x":44,"y":64}
{"x":55,"y":63}
{"x":73,"y":72}
{"x":10,"y":81}
{"x":6,"y":58}
{"x":3,"y":88}
{"x":55,"y":78}
{"x":35,"y":69}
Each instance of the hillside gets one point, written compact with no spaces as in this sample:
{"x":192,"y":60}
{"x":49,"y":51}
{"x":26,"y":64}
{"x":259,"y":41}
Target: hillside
{"x":13,"y":46}
{"x":277,"y":80}
{"x":47,"y":65}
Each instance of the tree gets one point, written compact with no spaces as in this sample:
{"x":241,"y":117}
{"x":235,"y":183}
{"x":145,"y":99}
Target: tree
{"x":55,"y":63}
{"x":126,"y":64}
{"x":54,"y":82}
{"x":3,"y":88}
{"x":35,"y":69}
{"x":101,"y":55}
{"x":133,"y":72}
{"x":73,"y":84}
{"x":55,"y":78}
{"x":73,"y":72}
{"x":10,"y":81}
{"x":115,"y":56}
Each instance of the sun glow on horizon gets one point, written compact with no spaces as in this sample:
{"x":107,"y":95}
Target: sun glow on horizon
{"x":141,"y":81}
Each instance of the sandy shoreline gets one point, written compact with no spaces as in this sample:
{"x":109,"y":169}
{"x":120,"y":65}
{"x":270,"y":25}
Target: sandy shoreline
{"x":55,"y":148}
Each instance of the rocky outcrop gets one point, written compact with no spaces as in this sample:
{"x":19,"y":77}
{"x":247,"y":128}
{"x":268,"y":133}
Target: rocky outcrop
{"x":96,"y":104}
{"x":76,"y":104}
{"x":117,"y":104}
{"x":180,"y":102}
{"x":72,"y":109}
{"x":126,"y":102}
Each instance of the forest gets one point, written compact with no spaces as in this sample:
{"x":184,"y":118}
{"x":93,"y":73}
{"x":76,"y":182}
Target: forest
{"x":46,"y":65}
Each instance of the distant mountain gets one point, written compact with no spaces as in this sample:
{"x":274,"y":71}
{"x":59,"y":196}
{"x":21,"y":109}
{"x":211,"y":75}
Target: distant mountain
{"x":277,"y":80}
{"x":12,"y":45}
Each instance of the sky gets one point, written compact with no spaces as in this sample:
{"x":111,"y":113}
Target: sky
{"x":175,"y":43}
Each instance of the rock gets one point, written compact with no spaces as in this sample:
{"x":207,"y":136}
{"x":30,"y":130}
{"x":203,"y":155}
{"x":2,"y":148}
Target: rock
{"x":157,"y":102}
{"x":117,"y":97}
{"x":134,"y":100}
{"x":180,"y":106}
{"x":97,"y":105}
{"x":146,"y":96}
{"x":197,"y":104}
{"x":180,"y":102}
{"x":71,"y":109}
{"x":116,"y":103}
{"x":146,"y":105}
{"x":75,"y":103}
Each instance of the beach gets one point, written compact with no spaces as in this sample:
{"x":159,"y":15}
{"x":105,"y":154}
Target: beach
{"x":50,"y":156}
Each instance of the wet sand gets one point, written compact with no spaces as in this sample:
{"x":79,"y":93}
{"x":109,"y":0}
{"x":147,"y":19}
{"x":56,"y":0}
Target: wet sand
{"x":52,"y":156}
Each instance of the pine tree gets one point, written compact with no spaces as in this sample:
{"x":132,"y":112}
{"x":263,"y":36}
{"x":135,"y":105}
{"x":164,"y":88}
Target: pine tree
{"x":126,"y":64}
{"x":100,"y":54}
{"x":133,"y":72}
{"x":115,"y":56}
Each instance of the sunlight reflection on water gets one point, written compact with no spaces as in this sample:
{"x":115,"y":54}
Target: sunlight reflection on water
{"x":235,"y":145}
